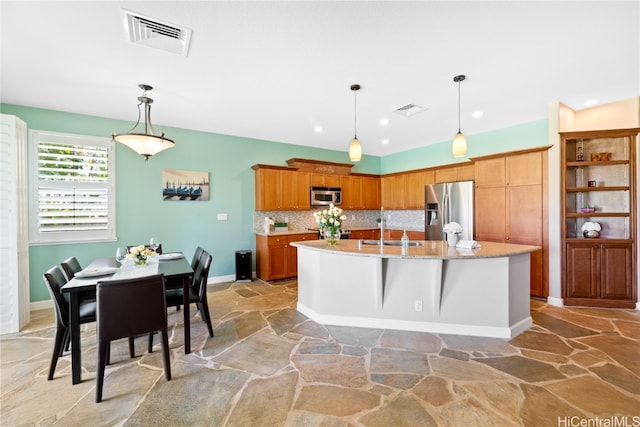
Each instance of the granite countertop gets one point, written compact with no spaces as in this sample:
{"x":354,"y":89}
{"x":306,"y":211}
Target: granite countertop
{"x":303,"y":231}
{"x":427,"y":249}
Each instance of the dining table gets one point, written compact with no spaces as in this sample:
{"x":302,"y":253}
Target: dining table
{"x":174,"y":267}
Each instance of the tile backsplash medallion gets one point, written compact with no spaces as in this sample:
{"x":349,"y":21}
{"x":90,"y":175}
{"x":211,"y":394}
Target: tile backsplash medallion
{"x":302,"y":220}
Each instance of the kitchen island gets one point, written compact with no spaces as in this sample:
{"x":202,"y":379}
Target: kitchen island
{"x":428,"y":287}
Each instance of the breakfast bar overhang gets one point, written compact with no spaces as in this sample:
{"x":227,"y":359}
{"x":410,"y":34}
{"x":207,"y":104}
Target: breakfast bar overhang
{"x":427,"y":287}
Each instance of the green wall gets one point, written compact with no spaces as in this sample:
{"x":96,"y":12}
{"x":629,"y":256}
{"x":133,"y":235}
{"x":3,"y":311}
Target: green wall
{"x":182,"y":226}
{"x":533,"y":134}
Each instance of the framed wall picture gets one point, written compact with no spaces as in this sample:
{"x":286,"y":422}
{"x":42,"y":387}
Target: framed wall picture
{"x":185,"y":185}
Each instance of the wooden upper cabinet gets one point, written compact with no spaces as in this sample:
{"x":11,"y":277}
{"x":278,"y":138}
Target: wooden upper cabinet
{"x":491,"y":173}
{"x":351,"y":192}
{"x":414,"y":188}
{"x":281,"y":189}
{"x":446,"y":175}
{"x":467,"y":172}
{"x":325,"y":180}
{"x":393,"y":191}
{"x":370,"y":192}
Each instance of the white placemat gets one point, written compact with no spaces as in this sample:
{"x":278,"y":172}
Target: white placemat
{"x":133,"y":271}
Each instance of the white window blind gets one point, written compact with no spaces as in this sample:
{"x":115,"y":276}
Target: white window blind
{"x":73,"y":188}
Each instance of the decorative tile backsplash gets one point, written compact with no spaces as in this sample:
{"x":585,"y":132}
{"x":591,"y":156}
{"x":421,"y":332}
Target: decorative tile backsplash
{"x":301,"y":220}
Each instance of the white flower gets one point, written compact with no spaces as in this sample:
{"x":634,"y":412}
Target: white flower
{"x":452,"y":227}
{"x":330,"y":219}
{"x":591,"y":226}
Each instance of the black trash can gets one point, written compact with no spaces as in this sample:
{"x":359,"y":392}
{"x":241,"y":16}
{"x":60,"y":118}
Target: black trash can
{"x":243,"y":266}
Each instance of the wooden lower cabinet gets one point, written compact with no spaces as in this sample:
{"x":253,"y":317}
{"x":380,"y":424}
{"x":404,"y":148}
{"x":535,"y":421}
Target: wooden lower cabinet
{"x":276,"y":258}
{"x":373,"y":234}
{"x":599,"y":274}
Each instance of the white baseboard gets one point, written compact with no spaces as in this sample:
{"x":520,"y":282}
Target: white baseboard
{"x":557,"y":302}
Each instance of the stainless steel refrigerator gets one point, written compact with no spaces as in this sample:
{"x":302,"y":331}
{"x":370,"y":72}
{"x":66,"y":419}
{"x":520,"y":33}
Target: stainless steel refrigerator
{"x":449,"y":202}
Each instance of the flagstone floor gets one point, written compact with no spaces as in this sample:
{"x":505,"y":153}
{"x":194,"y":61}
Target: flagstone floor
{"x":268,"y":365}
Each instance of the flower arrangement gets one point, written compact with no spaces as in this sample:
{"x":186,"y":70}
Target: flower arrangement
{"x":140,"y":254}
{"x":330,"y":220}
{"x":591,"y":226}
{"x":452,"y":227}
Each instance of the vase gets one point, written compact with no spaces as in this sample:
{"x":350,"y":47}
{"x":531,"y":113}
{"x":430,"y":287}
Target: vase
{"x":452,"y":239}
{"x":140,"y":262}
{"x":590,"y":234}
{"x":332,"y":236}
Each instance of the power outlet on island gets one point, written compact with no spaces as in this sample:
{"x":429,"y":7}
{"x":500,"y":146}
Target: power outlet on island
{"x":418,"y":305}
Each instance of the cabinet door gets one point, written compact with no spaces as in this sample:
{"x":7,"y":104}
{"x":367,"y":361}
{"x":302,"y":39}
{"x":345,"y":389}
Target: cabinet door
{"x":292,"y":252}
{"x":370,"y":192}
{"x":288,"y":190}
{"x":302,"y":200}
{"x":490,"y":214}
{"x":617,"y":268}
{"x":583,"y":270}
{"x":393,"y":191}
{"x":524,"y":169}
{"x":446,"y":175}
{"x":414,"y":190}
{"x":325,"y":180}
{"x":490,"y":173}
{"x":267,"y":189}
{"x":524,"y":214}
{"x":350,"y":192}
{"x":466,"y":173}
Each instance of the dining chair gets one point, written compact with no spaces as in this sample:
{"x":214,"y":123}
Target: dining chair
{"x":54,"y":279}
{"x":127,"y":308}
{"x":197,"y":290}
{"x":196,"y":258}
{"x":71,"y":266}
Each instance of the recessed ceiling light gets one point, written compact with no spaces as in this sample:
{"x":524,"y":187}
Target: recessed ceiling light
{"x":384,"y":122}
{"x":477,"y":114}
{"x":318,"y":129}
{"x":591,"y":102}
{"x":385,"y":141}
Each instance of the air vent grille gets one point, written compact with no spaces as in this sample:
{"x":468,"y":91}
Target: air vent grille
{"x":151,"y":32}
{"x":409,"y":110}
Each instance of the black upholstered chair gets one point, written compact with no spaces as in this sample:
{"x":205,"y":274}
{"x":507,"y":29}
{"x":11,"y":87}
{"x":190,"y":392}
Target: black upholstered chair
{"x":196,"y":258}
{"x":71,"y":266}
{"x":126,"y":308}
{"x":54,"y":279}
{"x":197,"y":290}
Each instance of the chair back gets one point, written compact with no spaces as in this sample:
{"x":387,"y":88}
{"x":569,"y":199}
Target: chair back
{"x":71,"y":266}
{"x":201,"y":275}
{"x":196,"y":258}
{"x":131,"y":307}
{"x":55,"y":280}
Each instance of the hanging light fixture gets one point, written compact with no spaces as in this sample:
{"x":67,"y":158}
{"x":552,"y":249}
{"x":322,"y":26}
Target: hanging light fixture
{"x":459,"y":146}
{"x":146,"y":144}
{"x":355,"y":149}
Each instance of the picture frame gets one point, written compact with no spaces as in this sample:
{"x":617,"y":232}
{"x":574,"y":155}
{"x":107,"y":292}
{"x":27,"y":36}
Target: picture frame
{"x":185,"y":185}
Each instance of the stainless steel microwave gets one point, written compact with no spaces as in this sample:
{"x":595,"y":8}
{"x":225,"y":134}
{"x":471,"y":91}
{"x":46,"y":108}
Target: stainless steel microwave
{"x":324,"y":196}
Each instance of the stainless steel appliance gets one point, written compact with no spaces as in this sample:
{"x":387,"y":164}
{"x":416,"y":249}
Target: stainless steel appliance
{"x":324,"y":196}
{"x":449,"y":202}
{"x":345,"y":233}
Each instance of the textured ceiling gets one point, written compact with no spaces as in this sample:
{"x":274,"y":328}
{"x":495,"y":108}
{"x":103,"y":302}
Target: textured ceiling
{"x":275,"y":70}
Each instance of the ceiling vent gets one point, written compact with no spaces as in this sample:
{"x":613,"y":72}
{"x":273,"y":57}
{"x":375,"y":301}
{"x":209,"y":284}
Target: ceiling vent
{"x":409,"y":110}
{"x":151,"y":32}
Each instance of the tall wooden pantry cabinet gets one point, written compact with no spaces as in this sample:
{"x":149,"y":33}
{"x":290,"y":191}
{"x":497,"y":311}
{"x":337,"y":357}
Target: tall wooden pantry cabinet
{"x":598,"y":191}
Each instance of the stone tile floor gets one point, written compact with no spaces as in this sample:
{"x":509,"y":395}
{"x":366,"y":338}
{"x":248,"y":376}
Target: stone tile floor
{"x":268,"y":365}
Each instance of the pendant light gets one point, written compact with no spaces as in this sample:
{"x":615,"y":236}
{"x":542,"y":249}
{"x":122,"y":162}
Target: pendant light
{"x":355,"y":149}
{"x":459,"y":146}
{"x":146,"y":144}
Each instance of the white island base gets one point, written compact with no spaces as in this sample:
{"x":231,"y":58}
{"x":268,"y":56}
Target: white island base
{"x":429,"y":288}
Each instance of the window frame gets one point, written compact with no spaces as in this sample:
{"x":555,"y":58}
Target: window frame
{"x":36,"y":237}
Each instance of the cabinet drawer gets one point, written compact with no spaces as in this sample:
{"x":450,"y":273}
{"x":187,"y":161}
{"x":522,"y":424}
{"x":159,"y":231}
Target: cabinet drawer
{"x":277,"y":240}
{"x":302,"y":237}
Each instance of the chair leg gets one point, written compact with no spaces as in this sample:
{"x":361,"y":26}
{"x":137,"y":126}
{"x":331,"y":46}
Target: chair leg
{"x":132,"y":348}
{"x":67,"y":342}
{"x":58,"y":346}
{"x":203,"y":307}
{"x":150,"y":345}
{"x":165,"y":354}
{"x":109,"y":353}
{"x":103,"y":351}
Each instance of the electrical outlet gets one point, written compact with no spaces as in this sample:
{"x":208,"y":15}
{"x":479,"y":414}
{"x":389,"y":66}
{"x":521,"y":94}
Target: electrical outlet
{"x":418,"y":305}
{"x":353,"y":217}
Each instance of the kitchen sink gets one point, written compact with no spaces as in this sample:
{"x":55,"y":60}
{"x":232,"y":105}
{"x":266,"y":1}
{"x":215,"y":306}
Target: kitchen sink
{"x":390,"y":243}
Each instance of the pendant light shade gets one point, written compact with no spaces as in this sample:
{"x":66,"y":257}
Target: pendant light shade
{"x":459,"y":146}
{"x":146,"y":144}
{"x":355,"y":149}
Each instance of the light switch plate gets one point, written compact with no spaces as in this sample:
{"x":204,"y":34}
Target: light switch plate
{"x":222,"y":217}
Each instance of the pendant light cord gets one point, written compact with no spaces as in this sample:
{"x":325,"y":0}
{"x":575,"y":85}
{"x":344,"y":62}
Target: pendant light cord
{"x":458,"y":106}
{"x":355,"y":114}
